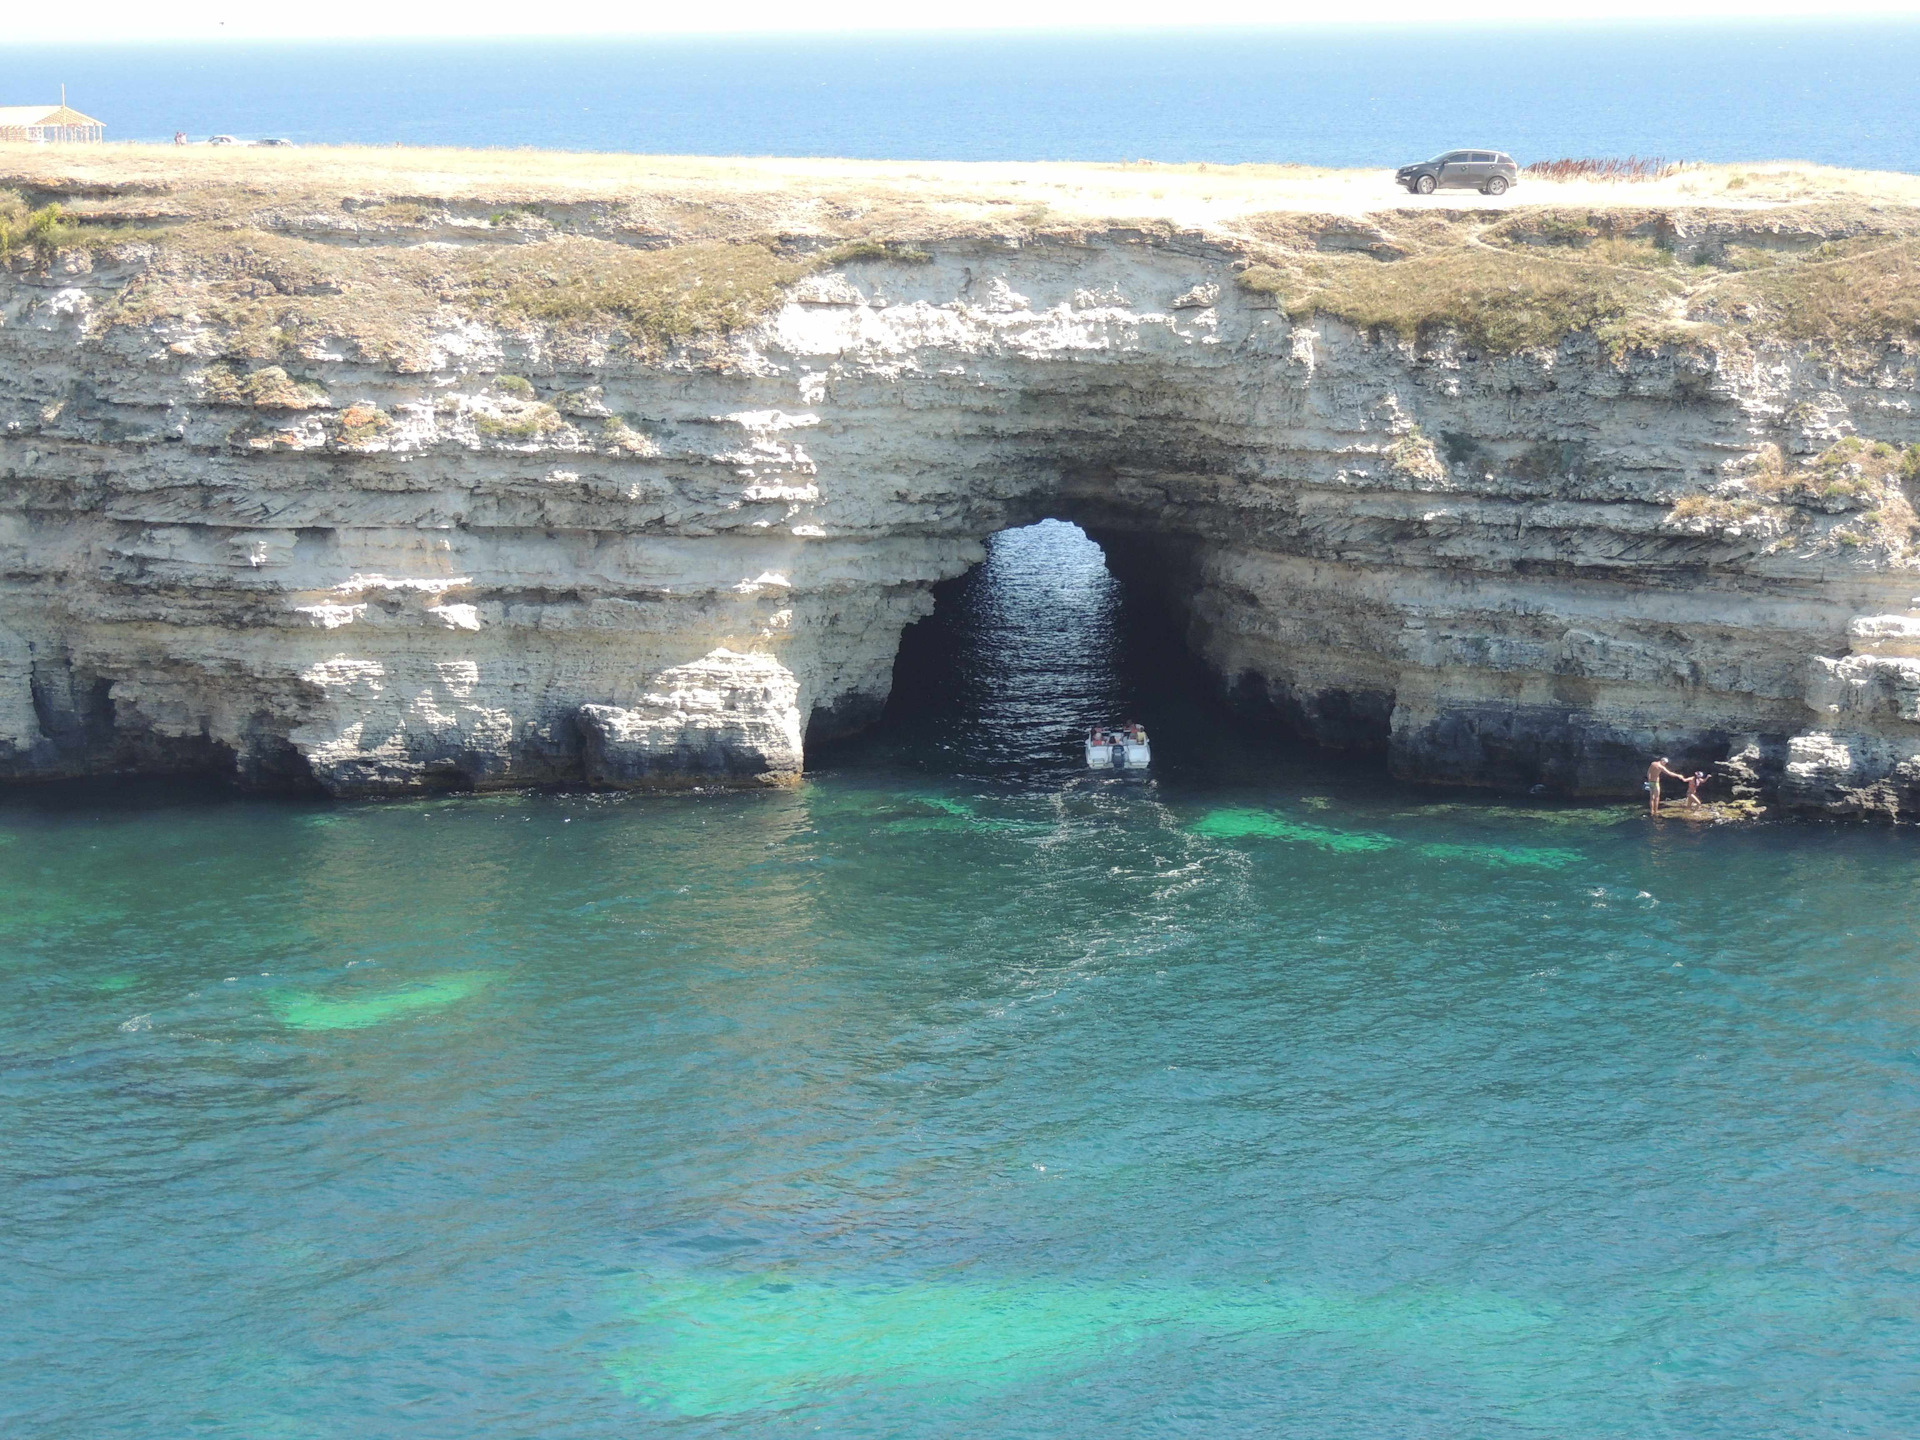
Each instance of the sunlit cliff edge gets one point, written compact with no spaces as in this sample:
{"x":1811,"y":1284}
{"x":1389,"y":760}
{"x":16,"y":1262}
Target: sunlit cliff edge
{"x":380,"y":470}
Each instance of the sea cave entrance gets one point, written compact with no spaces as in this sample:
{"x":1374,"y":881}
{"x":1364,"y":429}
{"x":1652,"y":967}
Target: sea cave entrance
{"x":1027,"y":650}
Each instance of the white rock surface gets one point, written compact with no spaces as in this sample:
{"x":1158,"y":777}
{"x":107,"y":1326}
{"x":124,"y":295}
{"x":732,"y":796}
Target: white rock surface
{"x":1464,"y":561}
{"x":726,"y":717}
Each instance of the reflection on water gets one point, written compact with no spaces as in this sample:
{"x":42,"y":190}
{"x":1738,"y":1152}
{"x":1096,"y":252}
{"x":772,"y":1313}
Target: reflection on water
{"x":1020,"y":658}
{"x":958,"y":1093}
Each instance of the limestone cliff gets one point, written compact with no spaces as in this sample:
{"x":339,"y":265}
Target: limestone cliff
{"x":446,"y":487}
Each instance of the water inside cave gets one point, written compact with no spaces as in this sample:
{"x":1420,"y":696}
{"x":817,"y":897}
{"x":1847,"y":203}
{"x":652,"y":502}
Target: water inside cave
{"x":1026,"y":651}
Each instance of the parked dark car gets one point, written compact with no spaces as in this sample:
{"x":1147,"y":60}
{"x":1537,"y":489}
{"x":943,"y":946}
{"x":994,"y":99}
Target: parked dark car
{"x":1487,"y":171}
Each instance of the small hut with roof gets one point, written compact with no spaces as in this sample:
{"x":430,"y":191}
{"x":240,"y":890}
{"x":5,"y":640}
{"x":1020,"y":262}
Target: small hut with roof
{"x":49,"y":124}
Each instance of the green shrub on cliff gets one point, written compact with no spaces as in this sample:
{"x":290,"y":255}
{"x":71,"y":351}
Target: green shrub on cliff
{"x":45,"y":232}
{"x":1858,"y":480}
{"x":1718,"y":511}
{"x":1548,"y":227}
{"x":1850,"y":474}
{"x":13,"y":220}
{"x":273,"y":389}
{"x":1265,"y":280}
{"x":854,"y":250}
{"x":361,"y":424}
{"x":622,"y":436}
{"x":522,"y":424}
{"x":269,"y":388}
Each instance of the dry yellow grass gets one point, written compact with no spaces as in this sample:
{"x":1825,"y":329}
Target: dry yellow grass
{"x":1498,"y":302}
{"x":1848,"y":300}
{"x":660,"y":297}
{"x":286,"y":252}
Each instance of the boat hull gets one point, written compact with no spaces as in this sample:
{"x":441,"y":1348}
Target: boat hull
{"x":1118,"y":756}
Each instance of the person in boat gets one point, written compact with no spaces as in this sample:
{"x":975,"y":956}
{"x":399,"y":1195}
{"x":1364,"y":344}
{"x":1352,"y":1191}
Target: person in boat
{"x":1656,"y":772}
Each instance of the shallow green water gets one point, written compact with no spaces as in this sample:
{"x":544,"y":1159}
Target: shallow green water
{"x":958,"y":1094}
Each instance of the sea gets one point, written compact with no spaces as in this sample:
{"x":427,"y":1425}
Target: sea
{"x":960,"y":1093}
{"x":1835,"y":91}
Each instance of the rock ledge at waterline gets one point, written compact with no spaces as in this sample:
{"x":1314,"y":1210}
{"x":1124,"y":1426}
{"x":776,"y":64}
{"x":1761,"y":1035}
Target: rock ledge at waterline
{"x":384,"y":470}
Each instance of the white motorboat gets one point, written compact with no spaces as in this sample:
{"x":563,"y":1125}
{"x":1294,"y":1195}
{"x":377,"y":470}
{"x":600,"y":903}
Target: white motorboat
{"x":1118,"y":747}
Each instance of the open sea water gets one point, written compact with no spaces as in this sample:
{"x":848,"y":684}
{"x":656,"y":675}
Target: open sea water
{"x":1841,"y":92}
{"x":959,"y":1093}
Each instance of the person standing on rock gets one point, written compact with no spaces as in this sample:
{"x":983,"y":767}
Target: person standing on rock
{"x":1694,"y":782}
{"x":1657,"y":772}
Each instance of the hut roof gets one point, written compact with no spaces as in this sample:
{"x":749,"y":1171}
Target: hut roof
{"x":19,"y":115}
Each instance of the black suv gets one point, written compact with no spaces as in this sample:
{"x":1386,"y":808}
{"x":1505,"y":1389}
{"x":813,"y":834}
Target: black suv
{"x":1487,"y":171}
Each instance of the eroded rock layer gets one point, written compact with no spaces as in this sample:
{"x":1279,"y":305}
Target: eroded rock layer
{"x":505,"y":560}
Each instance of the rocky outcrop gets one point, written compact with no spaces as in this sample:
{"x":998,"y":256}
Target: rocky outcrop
{"x":520,"y":557}
{"x":725,"y":717}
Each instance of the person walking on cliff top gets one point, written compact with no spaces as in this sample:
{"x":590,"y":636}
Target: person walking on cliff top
{"x":1656,"y":772}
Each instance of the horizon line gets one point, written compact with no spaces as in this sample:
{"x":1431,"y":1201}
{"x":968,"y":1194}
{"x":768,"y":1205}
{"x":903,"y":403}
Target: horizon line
{"x":1106,"y":30}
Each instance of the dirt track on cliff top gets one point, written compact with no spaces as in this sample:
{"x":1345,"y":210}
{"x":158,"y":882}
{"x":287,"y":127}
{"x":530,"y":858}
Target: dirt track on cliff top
{"x":807,"y":194}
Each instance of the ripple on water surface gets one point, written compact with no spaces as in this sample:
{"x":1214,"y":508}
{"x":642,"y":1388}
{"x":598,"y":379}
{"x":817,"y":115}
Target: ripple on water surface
{"x":959,"y":1093}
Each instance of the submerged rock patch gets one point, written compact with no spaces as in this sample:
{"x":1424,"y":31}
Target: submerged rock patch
{"x":736,"y":1344}
{"x":1270,"y":825}
{"x":319,"y":1010}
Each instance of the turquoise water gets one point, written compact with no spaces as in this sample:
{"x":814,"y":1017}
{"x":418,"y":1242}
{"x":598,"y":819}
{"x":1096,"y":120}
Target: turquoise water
{"x":958,"y":1094}
{"x":1840,"y":92}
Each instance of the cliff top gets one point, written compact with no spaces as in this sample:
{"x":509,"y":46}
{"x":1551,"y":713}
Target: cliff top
{"x":825,"y":194}
{"x":269,"y":251}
